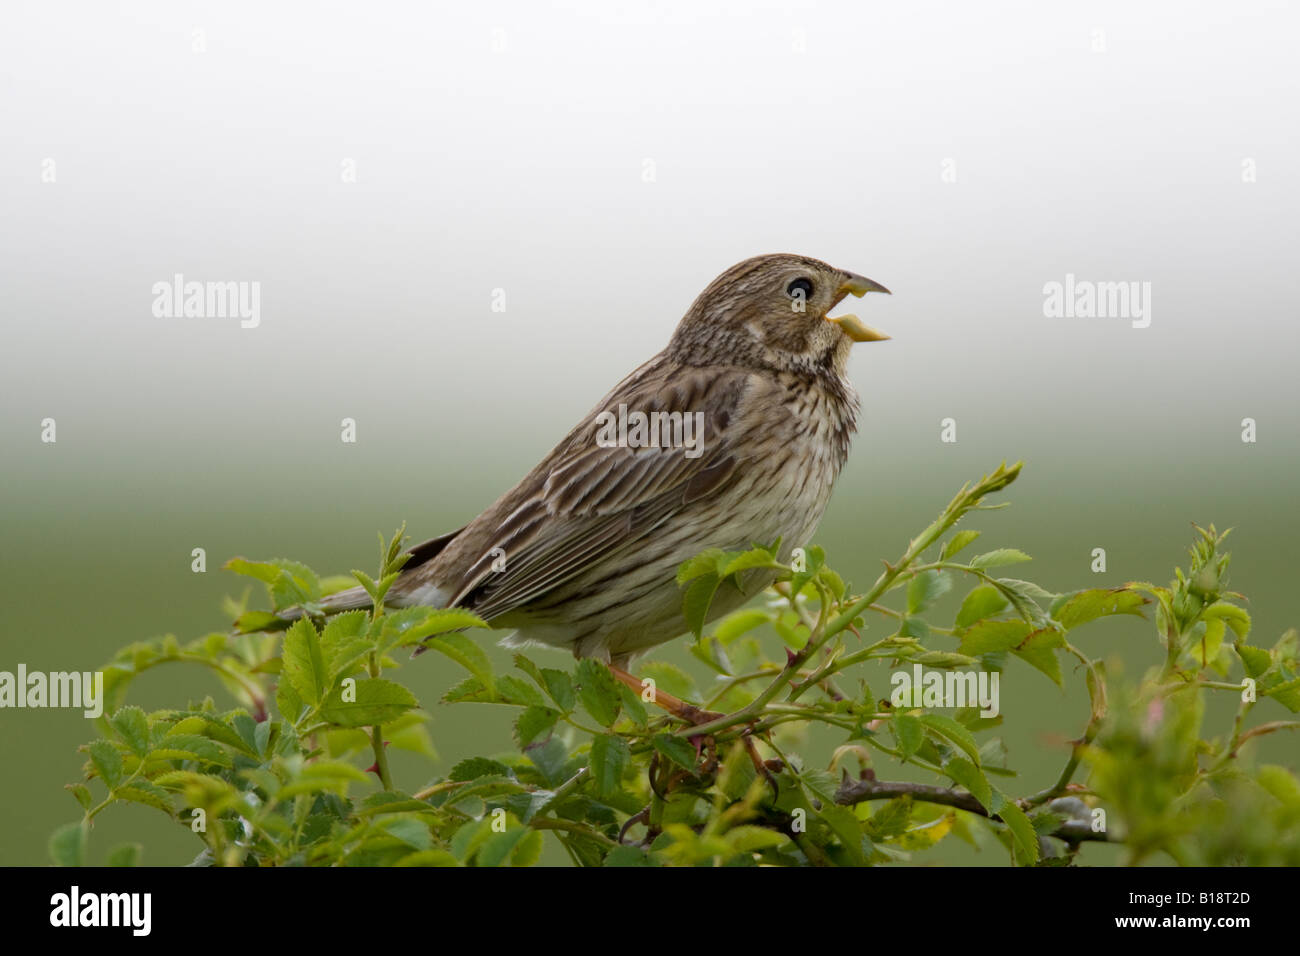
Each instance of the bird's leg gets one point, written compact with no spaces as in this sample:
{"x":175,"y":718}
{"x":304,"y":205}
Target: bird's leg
{"x":695,"y":716}
{"x":674,"y":705}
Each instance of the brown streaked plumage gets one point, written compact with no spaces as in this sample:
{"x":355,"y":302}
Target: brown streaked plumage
{"x":592,"y":537}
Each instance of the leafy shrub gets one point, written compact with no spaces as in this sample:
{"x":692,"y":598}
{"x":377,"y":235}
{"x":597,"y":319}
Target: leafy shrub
{"x":277,"y":779}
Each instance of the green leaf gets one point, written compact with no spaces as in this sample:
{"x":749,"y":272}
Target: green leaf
{"x":999,"y":558}
{"x":263,"y":571}
{"x":434,"y":621}
{"x":517,"y":691}
{"x":127,"y":854}
{"x":954,"y":732}
{"x":1023,"y":595}
{"x":633,"y":709}
{"x":469,"y":655}
{"x":533,"y":723}
{"x":1072,"y":610}
{"x":956,"y":543}
{"x":926,"y":588}
{"x":67,"y":844}
{"x":1236,"y":617}
{"x":147,"y":793}
{"x":1039,"y":650}
{"x":757,"y":558}
{"x":910,"y":734}
{"x":739,"y":622}
{"x":474,"y":767}
{"x":82,"y":793}
{"x":560,"y":687}
{"x":696,"y":602}
{"x":968,"y":775}
{"x":983,"y":601}
{"x":677,"y":749}
{"x":132,"y":726}
{"x":410,"y":831}
{"x":890,"y":819}
{"x":1022,"y":831}
{"x":378,"y":701}
{"x":304,"y":664}
{"x":1255,"y":659}
{"x":987,"y":637}
{"x":107,"y":761}
{"x":597,"y":691}
{"x":609,"y":756}
{"x":1287,"y":694}
{"x":703,"y":563}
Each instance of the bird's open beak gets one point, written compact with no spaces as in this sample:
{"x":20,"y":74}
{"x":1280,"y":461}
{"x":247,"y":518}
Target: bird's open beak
{"x":851,"y":325}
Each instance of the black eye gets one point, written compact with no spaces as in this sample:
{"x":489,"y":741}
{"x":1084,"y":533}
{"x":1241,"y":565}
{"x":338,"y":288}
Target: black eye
{"x":800,"y":288}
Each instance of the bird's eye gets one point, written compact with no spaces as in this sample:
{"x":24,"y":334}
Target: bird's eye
{"x":800,"y":288}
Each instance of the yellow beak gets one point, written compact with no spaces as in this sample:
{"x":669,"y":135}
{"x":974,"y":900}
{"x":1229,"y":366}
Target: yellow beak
{"x":851,"y":325}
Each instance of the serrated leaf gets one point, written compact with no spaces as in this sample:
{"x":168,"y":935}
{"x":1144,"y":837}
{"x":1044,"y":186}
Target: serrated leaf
{"x":971,"y":777}
{"x":677,"y":749}
{"x":890,"y":818}
{"x":473,"y":768}
{"x":956,"y":543}
{"x":739,"y":622}
{"x":1072,"y":610}
{"x":982,"y":602}
{"x":1236,"y":617}
{"x":469,"y":655}
{"x":757,"y":558}
{"x":633,"y":709}
{"x":999,"y":558}
{"x":534,"y":722}
{"x":133,"y":727}
{"x":926,"y":588}
{"x":378,"y":701}
{"x":560,"y":687}
{"x":609,"y":756}
{"x":1022,"y":831}
{"x":909,"y":732}
{"x":1287,"y":694}
{"x":107,"y":761}
{"x":1039,"y":650}
{"x":304,"y":664}
{"x":985,"y":637}
{"x":67,"y":845}
{"x":597,"y":691}
{"x":435,"y":621}
{"x":704,"y":563}
{"x":1256,"y":660}
{"x":954,"y":732}
{"x":81,"y":792}
{"x":696,"y":602}
{"x":145,"y":792}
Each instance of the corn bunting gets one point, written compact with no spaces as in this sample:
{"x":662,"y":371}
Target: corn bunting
{"x":732,"y":435}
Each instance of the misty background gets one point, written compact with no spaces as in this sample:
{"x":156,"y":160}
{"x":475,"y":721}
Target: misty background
{"x":383,"y":171}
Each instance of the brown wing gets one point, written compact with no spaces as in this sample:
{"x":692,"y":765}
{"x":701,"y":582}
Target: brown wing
{"x":585,"y":502}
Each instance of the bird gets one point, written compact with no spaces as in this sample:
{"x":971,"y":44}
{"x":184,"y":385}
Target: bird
{"x":733,"y":434}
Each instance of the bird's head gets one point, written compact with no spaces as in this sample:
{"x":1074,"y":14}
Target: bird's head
{"x":773,"y":312}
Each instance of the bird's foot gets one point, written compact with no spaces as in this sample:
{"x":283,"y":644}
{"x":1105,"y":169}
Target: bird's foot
{"x":706,"y":747}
